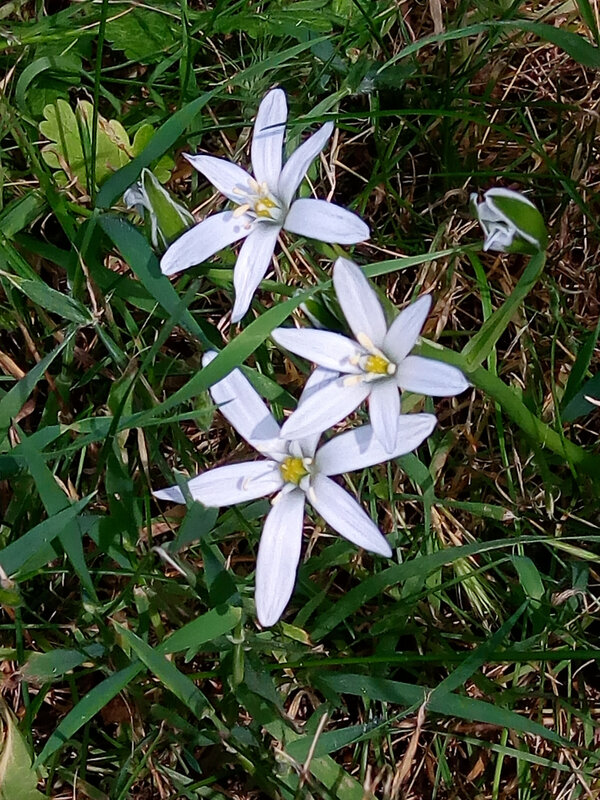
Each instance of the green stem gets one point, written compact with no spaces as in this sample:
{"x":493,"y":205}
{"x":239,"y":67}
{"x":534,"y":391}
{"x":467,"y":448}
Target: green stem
{"x":514,"y":408}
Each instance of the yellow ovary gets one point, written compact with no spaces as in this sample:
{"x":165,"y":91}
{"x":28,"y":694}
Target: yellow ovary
{"x":379,"y":365}
{"x":293,"y":470}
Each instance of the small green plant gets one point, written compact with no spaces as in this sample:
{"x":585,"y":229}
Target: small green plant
{"x":69,"y":150}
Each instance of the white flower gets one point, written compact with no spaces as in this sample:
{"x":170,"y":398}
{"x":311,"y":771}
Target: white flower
{"x":297,"y":471}
{"x":376,"y":365}
{"x":264,"y":205}
{"x":511,"y":222}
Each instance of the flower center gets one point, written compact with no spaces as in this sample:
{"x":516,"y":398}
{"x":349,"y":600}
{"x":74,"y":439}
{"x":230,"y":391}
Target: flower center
{"x":379,"y":365}
{"x":373,"y":363}
{"x":259,"y":201}
{"x":293,"y":469}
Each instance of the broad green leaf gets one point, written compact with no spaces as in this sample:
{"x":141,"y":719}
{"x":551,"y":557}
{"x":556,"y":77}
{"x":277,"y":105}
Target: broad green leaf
{"x":144,"y":33}
{"x":531,"y":581}
{"x":66,"y":307}
{"x":18,"y":779}
{"x":51,"y":666}
{"x":204,"y":629}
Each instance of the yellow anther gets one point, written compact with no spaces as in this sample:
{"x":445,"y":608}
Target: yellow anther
{"x":263,"y":206}
{"x":378,"y":365}
{"x":293,"y":470}
{"x":241,"y":210}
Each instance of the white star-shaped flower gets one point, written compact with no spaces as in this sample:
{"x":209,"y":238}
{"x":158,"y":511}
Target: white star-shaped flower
{"x":373,"y":366}
{"x":297,"y":471}
{"x":264,"y":205}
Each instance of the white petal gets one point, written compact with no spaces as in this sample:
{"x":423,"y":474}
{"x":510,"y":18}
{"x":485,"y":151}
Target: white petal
{"x":326,"y":222}
{"x":359,"y":448}
{"x":324,"y":408}
{"x":204,"y":240}
{"x":135,"y":197}
{"x":278,"y":556}
{"x":298,"y":163}
{"x":384,"y":412}
{"x":244,"y":409}
{"x":267,"y":139}
{"x":430,"y":377}
{"x":172,"y":493}
{"x":228,"y":178}
{"x":359,"y":302}
{"x":251,"y":265}
{"x":325,"y":348}
{"x":498,"y":237}
{"x":342,"y":512}
{"x":226,"y":486}
{"x":316,"y":381}
{"x":405,"y":329}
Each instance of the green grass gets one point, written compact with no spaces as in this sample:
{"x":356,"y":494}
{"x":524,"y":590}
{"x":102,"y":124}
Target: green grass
{"x":466,"y":666}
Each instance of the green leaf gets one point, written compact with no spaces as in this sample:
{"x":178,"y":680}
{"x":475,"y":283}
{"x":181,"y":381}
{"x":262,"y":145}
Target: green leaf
{"x":204,"y":629}
{"x":18,"y":779}
{"x":168,"y":674}
{"x":70,"y":64}
{"x":70,"y":135}
{"x":51,"y":666}
{"x":20,"y":213}
{"x":43,"y":295}
{"x":580,"y":405}
{"x":141,"y":258}
{"x":143,"y":33}
{"x":89,"y":705}
{"x":580,"y":368}
{"x":36,"y":543}
{"x":407,"y":694}
{"x":14,"y":400}
{"x":530,"y":578}
{"x":483,"y":342}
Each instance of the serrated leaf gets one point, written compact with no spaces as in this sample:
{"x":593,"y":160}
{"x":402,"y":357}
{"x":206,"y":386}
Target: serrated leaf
{"x":143,"y":33}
